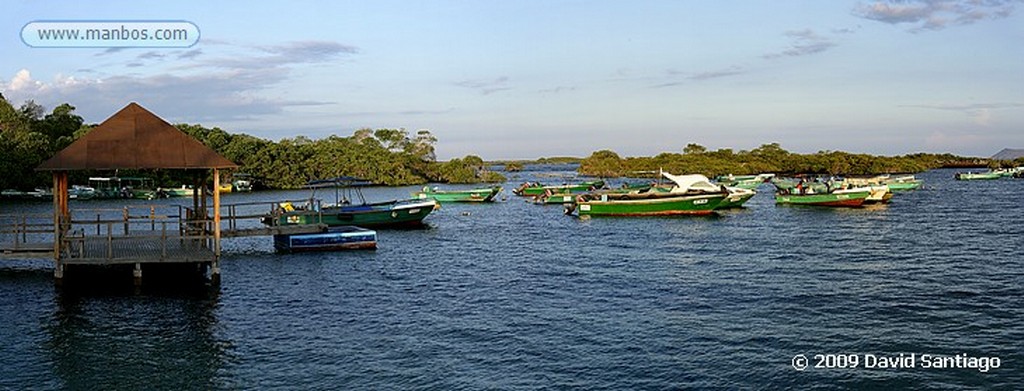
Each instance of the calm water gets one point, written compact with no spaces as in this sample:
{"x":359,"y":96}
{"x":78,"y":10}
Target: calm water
{"x":519,"y":296}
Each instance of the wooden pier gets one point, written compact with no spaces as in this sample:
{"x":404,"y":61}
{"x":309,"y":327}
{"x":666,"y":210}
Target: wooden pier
{"x":138,"y":234}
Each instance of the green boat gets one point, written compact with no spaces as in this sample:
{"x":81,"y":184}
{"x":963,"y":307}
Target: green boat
{"x":536,"y":189}
{"x":749,"y":182}
{"x":736,"y":196}
{"x":123,"y":187}
{"x":839,"y":198}
{"x":394,"y":213}
{"x":472,"y":195}
{"x":968,"y":176}
{"x":903,"y":183}
{"x":647,"y":204}
{"x":564,"y":198}
{"x":691,"y":195}
{"x":183,"y":191}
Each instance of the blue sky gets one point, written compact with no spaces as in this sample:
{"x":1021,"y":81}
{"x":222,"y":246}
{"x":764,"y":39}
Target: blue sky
{"x":526,"y":79}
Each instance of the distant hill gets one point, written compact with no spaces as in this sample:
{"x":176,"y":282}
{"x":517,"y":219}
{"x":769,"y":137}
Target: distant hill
{"x":1009,"y":154}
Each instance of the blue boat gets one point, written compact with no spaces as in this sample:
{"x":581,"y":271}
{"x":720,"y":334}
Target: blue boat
{"x":346,"y":237}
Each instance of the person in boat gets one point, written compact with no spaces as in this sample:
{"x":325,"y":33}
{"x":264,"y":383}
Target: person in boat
{"x":800,"y":187}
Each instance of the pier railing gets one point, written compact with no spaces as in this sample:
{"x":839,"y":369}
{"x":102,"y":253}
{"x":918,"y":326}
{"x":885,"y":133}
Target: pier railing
{"x":149,"y":233}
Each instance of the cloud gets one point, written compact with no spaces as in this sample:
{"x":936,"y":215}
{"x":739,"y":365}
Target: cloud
{"x":733,"y":71}
{"x":191,"y":54}
{"x":215,"y":89}
{"x":151,"y":55}
{"x":804,"y":42}
{"x":680,"y":77}
{"x":557,"y":90}
{"x":934,"y":14}
{"x":302,"y":52}
{"x":979,"y":113}
{"x":485,"y":87}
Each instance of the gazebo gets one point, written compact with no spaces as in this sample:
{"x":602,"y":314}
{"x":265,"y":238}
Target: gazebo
{"x":133,"y":138}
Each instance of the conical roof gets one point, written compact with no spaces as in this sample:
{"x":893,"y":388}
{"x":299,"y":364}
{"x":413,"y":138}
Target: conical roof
{"x":135,"y":138}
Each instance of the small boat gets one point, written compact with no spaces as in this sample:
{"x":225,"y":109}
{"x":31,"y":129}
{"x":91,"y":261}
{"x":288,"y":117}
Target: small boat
{"x":749,"y":182}
{"x":685,"y":198}
{"x":393,"y":213}
{"x":902,"y":183}
{"x":81,"y":192}
{"x":334,"y":238}
{"x":123,"y":187}
{"x":12,"y":193}
{"x":970,"y":176}
{"x":226,"y":188}
{"x":736,"y":195}
{"x":242,"y":182}
{"x":486,"y":194}
{"x":854,"y":197}
{"x":183,"y":191}
{"x":536,"y":189}
{"x":879,"y":195}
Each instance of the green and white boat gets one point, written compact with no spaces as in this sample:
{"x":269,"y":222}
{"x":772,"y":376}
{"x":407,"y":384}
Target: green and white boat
{"x":648,"y":204}
{"x":854,"y":197}
{"x":183,"y":191}
{"x":749,"y":182}
{"x":123,"y":187}
{"x":903,"y":183}
{"x":471,"y":195}
{"x":536,"y":189}
{"x":736,"y":195}
{"x":393,"y":213}
{"x":969,"y":176}
{"x":692,"y":195}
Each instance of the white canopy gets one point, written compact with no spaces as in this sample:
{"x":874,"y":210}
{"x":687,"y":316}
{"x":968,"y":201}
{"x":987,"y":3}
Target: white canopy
{"x":692,"y":181}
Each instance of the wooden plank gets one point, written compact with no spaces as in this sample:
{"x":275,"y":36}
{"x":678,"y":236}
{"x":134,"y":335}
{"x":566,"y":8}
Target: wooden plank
{"x":275,"y":230}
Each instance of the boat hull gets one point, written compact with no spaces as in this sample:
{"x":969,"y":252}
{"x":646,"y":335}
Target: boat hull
{"x":473,"y":195}
{"x":405,"y":213}
{"x":904,"y":186}
{"x":973,"y":177}
{"x":851,"y":200}
{"x":657,"y":206}
{"x":334,"y":239}
{"x":735,"y":200}
{"x":577,"y":188}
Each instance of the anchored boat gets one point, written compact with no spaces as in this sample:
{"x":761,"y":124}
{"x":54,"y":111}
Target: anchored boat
{"x":689,"y":196}
{"x":393,"y":213}
{"x":472,"y":195}
{"x":969,"y":176}
{"x":808,"y":195}
{"x":334,"y":238}
{"x":536,"y":189}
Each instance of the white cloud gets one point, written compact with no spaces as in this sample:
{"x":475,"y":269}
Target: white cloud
{"x":935,"y":14}
{"x":216,"y":89}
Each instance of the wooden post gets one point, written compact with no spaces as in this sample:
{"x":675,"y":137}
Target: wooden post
{"x":137,"y":274}
{"x":60,"y":216}
{"x":215,"y":267}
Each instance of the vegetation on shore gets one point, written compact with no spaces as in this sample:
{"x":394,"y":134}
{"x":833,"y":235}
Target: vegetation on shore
{"x":766,"y":158}
{"x":29,"y":136}
{"x":384,"y":156}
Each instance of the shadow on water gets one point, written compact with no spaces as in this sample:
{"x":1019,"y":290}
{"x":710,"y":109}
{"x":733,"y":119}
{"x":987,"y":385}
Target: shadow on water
{"x":107,"y":334}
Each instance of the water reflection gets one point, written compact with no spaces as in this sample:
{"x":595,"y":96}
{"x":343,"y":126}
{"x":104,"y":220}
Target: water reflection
{"x":161,"y":339}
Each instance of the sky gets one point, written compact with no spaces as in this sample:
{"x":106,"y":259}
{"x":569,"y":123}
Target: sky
{"x":527,"y":79}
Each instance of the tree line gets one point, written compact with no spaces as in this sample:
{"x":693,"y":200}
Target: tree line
{"x":768,"y":158}
{"x":28,"y":137}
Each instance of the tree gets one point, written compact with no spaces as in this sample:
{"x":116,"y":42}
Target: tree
{"x":694,"y":149}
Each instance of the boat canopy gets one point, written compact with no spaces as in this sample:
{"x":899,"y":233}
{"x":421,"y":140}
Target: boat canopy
{"x":692,"y":181}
